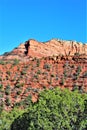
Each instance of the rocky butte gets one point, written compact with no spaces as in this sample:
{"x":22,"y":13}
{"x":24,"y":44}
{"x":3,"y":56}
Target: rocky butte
{"x":54,"y":47}
{"x":34,"y":66}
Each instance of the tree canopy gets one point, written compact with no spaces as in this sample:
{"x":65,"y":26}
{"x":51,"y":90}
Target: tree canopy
{"x":55,"y":110}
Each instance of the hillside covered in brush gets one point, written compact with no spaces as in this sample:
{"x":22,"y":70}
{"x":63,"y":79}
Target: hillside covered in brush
{"x":43,"y":86}
{"x":34,"y":66}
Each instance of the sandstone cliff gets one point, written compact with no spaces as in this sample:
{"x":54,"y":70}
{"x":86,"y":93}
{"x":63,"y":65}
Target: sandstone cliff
{"x":54,"y":47}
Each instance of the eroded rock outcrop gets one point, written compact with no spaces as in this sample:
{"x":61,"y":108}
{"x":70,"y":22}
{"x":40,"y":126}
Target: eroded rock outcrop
{"x":55,"y":47}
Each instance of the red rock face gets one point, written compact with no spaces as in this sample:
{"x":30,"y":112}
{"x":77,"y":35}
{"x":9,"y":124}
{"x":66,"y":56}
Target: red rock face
{"x":34,"y":66}
{"x":55,"y":47}
{"x":32,"y":48}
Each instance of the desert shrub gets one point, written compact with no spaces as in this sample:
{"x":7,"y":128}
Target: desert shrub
{"x":23,"y":72}
{"x":79,"y":70}
{"x":76,"y":54}
{"x":73,"y":66}
{"x":2,"y":62}
{"x":8,"y":101}
{"x":39,"y":72}
{"x":75,"y":87}
{"x":19,"y":92}
{"x":27,"y":101}
{"x":65,"y":73}
{"x":47,"y":66}
{"x":1,"y":86}
{"x":38,"y":62}
{"x":15,"y":62}
{"x":36,"y":76}
{"x":7,"y":90}
{"x":55,"y":110}
{"x":56,"y":77}
{"x":8,"y":73}
{"x":19,"y":85}
{"x":85,"y":74}
{"x":62,"y":81}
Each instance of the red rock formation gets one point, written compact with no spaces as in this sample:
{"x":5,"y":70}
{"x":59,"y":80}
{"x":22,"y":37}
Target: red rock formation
{"x":54,"y":47}
{"x":55,"y":63}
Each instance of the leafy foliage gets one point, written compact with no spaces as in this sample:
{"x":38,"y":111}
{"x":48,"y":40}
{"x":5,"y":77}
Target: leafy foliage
{"x":6,"y":118}
{"x":55,"y":110}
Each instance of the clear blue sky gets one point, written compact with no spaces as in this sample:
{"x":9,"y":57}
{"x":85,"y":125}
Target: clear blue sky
{"x":42,"y":20}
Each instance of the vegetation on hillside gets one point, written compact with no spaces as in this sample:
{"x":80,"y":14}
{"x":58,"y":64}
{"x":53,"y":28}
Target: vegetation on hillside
{"x":55,"y":109}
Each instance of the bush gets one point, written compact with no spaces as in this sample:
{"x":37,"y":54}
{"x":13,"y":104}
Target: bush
{"x":8,"y":73}
{"x":8,"y":101}
{"x":55,"y":110}
{"x":6,"y":118}
{"x":15,"y":62}
{"x":85,"y":74}
{"x":2,"y":62}
{"x":38,"y":62}
{"x":76,"y":54}
{"x":38,"y":72}
{"x":47,"y":66}
{"x":7,"y":90}
{"x":78,"y":70}
{"x":1,"y":86}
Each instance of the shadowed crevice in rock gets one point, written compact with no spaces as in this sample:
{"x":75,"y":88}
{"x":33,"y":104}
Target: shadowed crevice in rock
{"x":27,"y":45}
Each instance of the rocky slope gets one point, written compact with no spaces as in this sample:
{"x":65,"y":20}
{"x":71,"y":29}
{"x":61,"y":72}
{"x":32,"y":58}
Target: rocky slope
{"x":34,"y":66}
{"x":53,"y":47}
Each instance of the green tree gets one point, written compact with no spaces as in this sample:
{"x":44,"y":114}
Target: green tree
{"x":56,"y":110}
